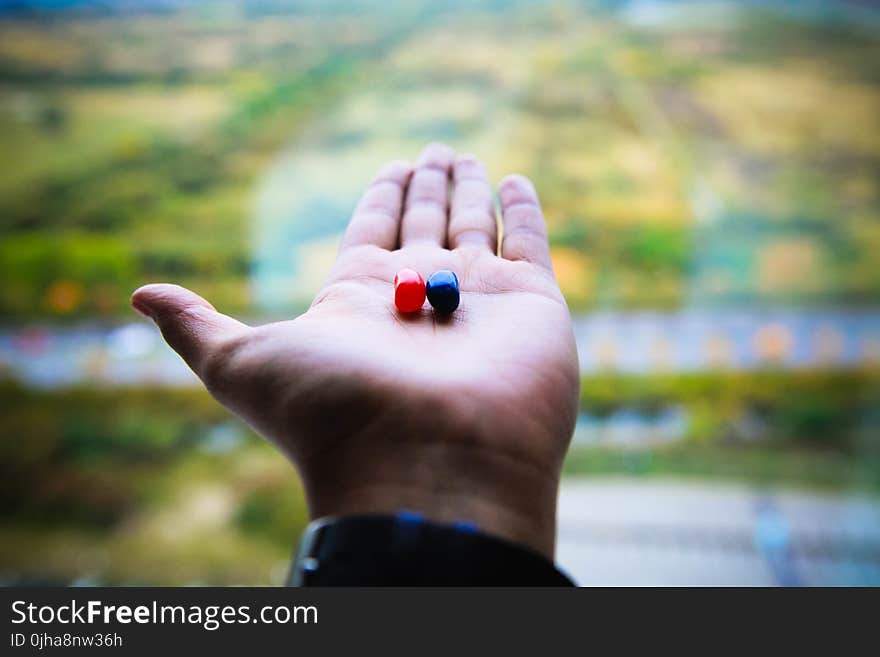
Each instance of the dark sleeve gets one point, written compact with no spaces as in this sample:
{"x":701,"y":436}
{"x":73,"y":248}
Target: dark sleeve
{"x":406,"y":550}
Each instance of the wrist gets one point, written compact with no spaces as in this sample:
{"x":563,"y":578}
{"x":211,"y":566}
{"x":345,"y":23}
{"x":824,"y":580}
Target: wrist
{"x":448,"y":482}
{"x":453,"y":455}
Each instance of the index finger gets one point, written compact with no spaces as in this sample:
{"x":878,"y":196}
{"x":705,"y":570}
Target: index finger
{"x":376,"y":219}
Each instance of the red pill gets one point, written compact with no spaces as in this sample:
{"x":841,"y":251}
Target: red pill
{"x":409,"y":291}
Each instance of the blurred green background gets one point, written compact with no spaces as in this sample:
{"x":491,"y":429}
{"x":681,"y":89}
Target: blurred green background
{"x":709,"y":172}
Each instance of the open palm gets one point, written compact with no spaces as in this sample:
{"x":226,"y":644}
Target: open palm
{"x":465,"y":416}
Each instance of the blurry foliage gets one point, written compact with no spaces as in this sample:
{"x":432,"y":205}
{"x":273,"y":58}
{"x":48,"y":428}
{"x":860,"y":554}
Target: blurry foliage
{"x":755,"y":464}
{"x":110,"y":133}
{"x":818,"y":409}
{"x":818,"y":428}
{"x":55,"y":441}
{"x":656,"y":248}
{"x":128,"y":468}
{"x":47,"y":275}
{"x":134,"y":200}
{"x":274,"y":510}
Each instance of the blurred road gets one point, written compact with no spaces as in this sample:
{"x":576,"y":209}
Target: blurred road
{"x":667,"y":532}
{"x":636,"y":342}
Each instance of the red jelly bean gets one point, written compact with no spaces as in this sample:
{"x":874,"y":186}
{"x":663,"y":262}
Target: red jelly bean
{"x":409,"y":291}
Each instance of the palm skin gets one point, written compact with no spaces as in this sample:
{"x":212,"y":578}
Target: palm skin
{"x":461,"y":417}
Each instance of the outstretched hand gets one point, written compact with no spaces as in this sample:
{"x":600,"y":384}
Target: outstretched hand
{"x":465,"y":417}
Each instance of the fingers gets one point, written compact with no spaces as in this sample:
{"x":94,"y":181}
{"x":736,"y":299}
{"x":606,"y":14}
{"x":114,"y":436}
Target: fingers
{"x":376,"y":220}
{"x":472,"y":221}
{"x":425,"y":215}
{"x":189,"y":324}
{"x":524,"y":234}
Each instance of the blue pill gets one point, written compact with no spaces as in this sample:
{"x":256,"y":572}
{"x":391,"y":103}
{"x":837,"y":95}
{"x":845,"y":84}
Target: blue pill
{"x":442,"y":291}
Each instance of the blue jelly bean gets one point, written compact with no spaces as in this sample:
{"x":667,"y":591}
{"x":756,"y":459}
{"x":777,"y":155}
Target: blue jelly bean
{"x":442,"y":291}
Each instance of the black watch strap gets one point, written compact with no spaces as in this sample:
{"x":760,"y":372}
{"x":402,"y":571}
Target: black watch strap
{"x":407,"y":550}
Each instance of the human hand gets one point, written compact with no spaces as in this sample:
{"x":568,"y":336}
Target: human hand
{"x":463,"y":418}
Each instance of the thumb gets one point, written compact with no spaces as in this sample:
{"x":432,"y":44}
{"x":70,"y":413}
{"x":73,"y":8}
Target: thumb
{"x":189,"y":324}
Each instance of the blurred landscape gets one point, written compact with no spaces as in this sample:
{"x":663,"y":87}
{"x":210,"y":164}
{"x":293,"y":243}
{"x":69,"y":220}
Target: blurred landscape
{"x":710,"y":173}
